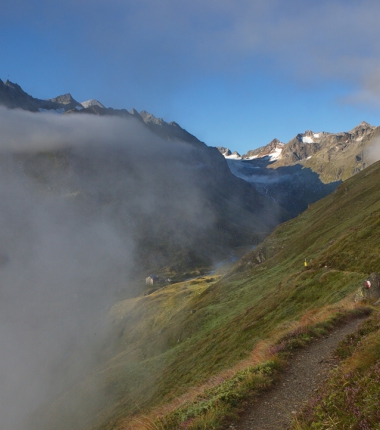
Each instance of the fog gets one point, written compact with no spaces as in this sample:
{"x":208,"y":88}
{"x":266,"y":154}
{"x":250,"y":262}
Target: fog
{"x":253,"y":173}
{"x":372,"y":152}
{"x":78,"y":194}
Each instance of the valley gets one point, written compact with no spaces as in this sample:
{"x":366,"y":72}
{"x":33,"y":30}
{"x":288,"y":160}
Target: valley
{"x":192,"y":349}
{"x":97,"y":199}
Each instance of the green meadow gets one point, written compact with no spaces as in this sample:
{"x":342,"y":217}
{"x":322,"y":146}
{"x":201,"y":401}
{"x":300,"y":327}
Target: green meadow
{"x":187,"y":355}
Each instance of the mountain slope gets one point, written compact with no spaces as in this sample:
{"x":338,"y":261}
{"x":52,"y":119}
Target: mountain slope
{"x":333,"y":156}
{"x":180,"y":336}
{"x":292,"y":187}
{"x":203,"y":213}
{"x":308,"y":167}
{"x":230,"y":212}
{"x":258,"y":299}
{"x":13,"y":96}
{"x":92,"y":204}
{"x":157,"y":198}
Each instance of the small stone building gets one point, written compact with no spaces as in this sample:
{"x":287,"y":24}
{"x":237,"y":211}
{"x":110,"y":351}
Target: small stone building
{"x":152,"y":280}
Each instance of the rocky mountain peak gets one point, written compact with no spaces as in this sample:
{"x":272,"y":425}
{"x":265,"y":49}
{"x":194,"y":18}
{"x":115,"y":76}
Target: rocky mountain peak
{"x":273,"y":150}
{"x":363,"y":125}
{"x":275,"y":143}
{"x":224,"y":151}
{"x":13,"y":96}
{"x":308,"y":137}
{"x":227,"y":153}
{"x":133,"y":111}
{"x":149,"y":118}
{"x":359,"y":132}
{"x":64,"y":99}
{"x":12,"y":85}
{"x":92,"y":102}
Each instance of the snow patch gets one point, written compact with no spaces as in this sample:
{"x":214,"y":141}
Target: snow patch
{"x":358,"y":139}
{"x":91,"y":102}
{"x":316,"y":135}
{"x":307,"y":139}
{"x":233,"y":157}
{"x":276,"y":154}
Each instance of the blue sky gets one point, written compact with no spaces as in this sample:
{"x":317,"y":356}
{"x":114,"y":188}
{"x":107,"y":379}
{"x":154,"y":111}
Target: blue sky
{"x":235,"y":73}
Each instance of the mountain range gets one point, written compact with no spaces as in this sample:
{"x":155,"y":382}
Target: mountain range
{"x":87,"y":213}
{"x":308,"y":167}
{"x":346,"y":152}
{"x":192,"y":354}
{"x":175,"y":235}
{"x":14,"y":97}
{"x":279,"y":180}
{"x":267,"y":185}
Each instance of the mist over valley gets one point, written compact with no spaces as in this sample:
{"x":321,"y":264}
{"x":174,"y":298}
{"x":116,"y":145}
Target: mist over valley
{"x":92,"y":205}
{"x":189,"y":215}
{"x":93,"y":201}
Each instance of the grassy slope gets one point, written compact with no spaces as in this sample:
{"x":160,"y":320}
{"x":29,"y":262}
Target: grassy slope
{"x":180,"y":336}
{"x":350,"y":399}
{"x":190,"y":331}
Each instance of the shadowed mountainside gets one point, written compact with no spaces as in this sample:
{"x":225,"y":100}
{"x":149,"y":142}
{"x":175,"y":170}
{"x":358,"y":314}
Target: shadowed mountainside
{"x":192,"y":182}
{"x":170,"y":204}
{"x":292,"y":187}
{"x":198,"y":208}
{"x":182,"y":335}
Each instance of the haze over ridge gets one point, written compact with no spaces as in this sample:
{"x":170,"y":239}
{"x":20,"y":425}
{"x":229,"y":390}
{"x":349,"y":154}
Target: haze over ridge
{"x":90,"y":202}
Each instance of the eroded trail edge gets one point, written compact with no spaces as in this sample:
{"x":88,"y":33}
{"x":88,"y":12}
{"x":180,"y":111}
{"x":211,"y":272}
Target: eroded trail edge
{"x":307,"y":370}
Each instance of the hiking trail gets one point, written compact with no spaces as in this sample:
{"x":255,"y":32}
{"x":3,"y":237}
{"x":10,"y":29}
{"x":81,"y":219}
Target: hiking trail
{"x":308,"y":369}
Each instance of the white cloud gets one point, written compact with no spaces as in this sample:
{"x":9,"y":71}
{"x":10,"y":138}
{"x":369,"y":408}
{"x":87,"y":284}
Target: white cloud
{"x":69,"y":235}
{"x":169,"y":41}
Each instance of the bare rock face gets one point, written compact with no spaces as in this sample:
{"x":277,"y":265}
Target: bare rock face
{"x":65,"y":99}
{"x":370,"y":289}
{"x":224,"y":151}
{"x":266,"y":150}
{"x":14,"y":97}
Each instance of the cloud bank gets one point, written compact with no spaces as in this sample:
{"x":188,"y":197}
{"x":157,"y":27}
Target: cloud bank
{"x":80,"y":195}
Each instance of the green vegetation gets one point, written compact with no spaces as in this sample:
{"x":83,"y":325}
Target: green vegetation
{"x":201,"y":329}
{"x":212,"y":407}
{"x":185,"y":355}
{"x":351,"y":398}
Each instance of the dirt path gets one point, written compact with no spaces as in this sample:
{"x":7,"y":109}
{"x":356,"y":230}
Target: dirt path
{"x":307,"y":370}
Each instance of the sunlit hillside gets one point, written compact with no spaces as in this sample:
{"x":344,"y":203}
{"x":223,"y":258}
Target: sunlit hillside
{"x":180,"y":336}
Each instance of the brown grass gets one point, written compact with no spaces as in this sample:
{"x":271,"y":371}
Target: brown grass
{"x":260,"y":354}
